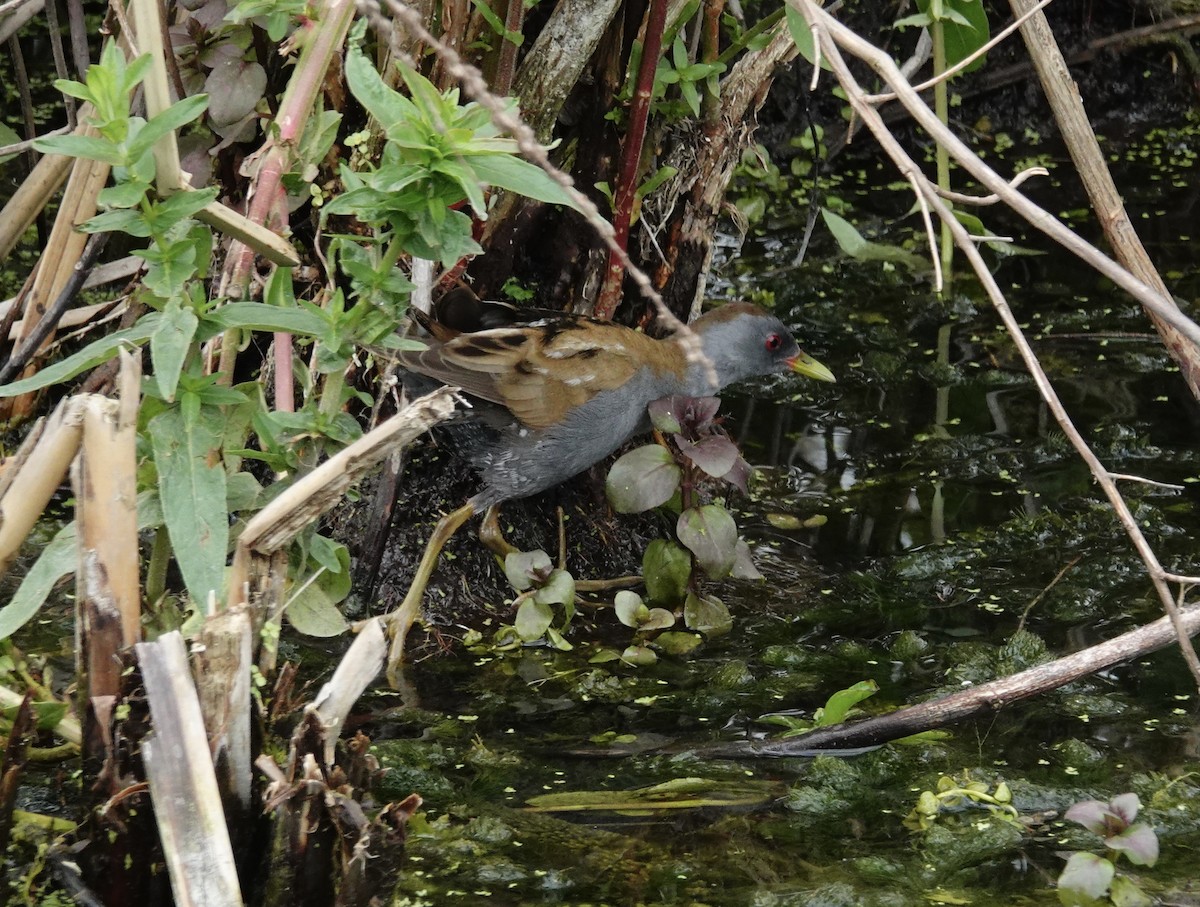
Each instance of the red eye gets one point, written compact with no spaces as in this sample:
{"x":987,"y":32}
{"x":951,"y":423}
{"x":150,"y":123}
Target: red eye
{"x":774,"y":342}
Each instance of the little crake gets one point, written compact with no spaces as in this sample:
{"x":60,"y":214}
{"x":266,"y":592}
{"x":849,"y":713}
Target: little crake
{"x":561,"y":394}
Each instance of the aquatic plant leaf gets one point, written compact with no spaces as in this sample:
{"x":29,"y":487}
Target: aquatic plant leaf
{"x":707,"y":614}
{"x":666,"y":568}
{"x":525,"y":569}
{"x":710,"y":533}
{"x":677,"y":642}
{"x":715,"y":454}
{"x":840,"y":703}
{"x":639,"y":656}
{"x":1138,"y":842}
{"x":630,"y":608}
{"x":1125,"y":807}
{"x":856,"y":246}
{"x":1085,"y":879}
{"x":559,"y":589}
{"x":1126,"y":893}
{"x":642,"y":479}
{"x":743,"y":563}
{"x":1092,"y":815}
{"x":658,"y":619}
{"x":533,"y":619}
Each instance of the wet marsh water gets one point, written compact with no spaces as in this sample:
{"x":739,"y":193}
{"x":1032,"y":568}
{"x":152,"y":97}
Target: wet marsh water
{"x":922,"y":524}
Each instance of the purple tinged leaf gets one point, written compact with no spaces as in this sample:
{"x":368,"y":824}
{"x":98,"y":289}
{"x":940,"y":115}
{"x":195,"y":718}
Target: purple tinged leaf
{"x":743,"y":563}
{"x":1091,"y":814}
{"x":234,"y":88}
{"x":710,"y":533}
{"x":678,"y":414}
{"x":525,"y":569}
{"x":643,"y":479}
{"x":1085,"y":875}
{"x":662,"y":414}
{"x":658,"y":619}
{"x":1125,"y":807}
{"x":1138,"y":842}
{"x":716,"y":454}
{"x":739,"y":475}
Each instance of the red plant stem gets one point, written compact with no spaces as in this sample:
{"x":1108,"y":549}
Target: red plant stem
{"x":711,"y":51}
{"x":506,"y":65}
{"x":324,"y":38}
{"x":631,"y":156}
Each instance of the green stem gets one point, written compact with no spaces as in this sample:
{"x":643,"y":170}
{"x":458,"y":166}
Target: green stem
{"x":941,"y":106}
{"x":156,"y":569}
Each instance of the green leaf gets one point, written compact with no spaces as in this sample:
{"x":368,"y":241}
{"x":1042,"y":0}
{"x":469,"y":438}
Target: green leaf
{"x":642,"y":479}
{"x":258,"y":316}
{"x":559,"y":589}
{"x":169,"y":346}
{"x":677,"y":642}
{"x":1125,"y":893}
{"x":803,"y":37}
{"x":391,"y":109}
{"x":57,"y":560}
{"x":840,"y":703}
{"x":630,"y":608}
{"x":710,"y":533}
{"x":706,"y":614}
{"x":854,"y":245}
{"x":89,"y":357}
{"x":178,"y":114}
{"x":1085,"y":879}
{"x":639,"y":656}
{"x":964,"y":29}
{"x":511,"y":172}
{"x":666,"y":568}
{"x":313,"y":608}
{"x":533,"y":620}
{"x":192,"y":488}
{"x":92,"y":148}
{"x":170,"y":265}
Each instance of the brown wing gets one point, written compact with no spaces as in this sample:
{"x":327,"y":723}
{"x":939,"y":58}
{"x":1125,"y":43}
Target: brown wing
{"x":542,"y":371}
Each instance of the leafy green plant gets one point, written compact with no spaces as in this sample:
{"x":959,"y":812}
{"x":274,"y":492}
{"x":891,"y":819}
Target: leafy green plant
{"x":836,"y":709}
{"x":954,"y":795}
{"x":1091,"y":879}
{"x":541,"y":586}
{"x":674,"y":474}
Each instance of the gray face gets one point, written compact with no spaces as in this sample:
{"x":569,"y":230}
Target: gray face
{"x":743,"y":348}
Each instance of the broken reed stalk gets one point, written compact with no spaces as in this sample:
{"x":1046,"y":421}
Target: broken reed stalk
{"x":37,"y":470}
{"x":260,"y":557}
{"x":183,"y":784}
{"x":108,"y":591}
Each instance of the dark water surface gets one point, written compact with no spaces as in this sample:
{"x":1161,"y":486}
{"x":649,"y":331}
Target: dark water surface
{"x":923,"y":524}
